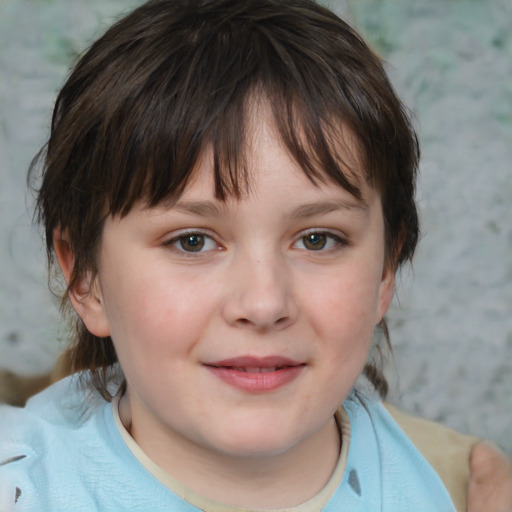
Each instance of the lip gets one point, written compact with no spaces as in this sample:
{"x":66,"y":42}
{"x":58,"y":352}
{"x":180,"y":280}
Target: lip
{"x":256,"y":374}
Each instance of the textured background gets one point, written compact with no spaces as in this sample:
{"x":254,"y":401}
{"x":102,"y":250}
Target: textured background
{"x":451,"y":61}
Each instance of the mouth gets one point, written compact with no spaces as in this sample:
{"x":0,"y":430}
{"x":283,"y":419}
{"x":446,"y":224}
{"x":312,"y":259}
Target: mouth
{"x":255,"y":369}
{"x":253,"y":364}
{"x":255,"y":374}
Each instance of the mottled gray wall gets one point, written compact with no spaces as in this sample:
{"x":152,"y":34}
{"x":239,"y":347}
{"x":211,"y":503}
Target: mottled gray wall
{"x":451,"y":61}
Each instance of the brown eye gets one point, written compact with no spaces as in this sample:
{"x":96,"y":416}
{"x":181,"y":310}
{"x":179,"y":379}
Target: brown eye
{"x":320,"y":241}
{"x":315,"y":241}
{"x":192,"y":243}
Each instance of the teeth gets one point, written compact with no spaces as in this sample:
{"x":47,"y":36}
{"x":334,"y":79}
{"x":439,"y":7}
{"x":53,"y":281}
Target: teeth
{"x":267,"y":370}
{"x":255,"y":369}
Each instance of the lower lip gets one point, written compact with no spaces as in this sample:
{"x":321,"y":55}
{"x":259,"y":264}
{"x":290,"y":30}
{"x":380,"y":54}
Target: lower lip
{"x":257,"y":382}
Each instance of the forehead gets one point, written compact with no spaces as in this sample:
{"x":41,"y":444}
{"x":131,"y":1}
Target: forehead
{"x":326,"y":167}
{"x":271,"y":173}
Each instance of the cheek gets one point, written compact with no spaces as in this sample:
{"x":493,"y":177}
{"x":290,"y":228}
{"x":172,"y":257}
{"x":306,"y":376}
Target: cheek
{"x":346,"y":303}
{"x":152,"y":314}
{"x":343,"y":313}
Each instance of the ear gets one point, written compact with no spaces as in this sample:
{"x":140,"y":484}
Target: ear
{"x":386,"y":292}
{"x":85,"y":292}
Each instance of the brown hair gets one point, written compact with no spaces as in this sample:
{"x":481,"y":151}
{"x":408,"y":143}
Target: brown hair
{"x":175,"y":76}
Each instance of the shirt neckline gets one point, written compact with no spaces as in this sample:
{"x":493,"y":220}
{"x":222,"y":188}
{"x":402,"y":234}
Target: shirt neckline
{"x":315,"y":504}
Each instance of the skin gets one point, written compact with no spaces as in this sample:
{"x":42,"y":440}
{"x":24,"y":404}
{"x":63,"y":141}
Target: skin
{"x":490,"y":487}
{"x":290,"y":270}
{"x":253,"y":289}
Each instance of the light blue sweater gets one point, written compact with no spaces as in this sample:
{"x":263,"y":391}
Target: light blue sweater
{"x":55,"y":456}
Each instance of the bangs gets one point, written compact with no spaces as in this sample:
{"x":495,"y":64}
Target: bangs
{"x":156,"y":101}
{"x":167,"y":125}
{"x":156,"y":165}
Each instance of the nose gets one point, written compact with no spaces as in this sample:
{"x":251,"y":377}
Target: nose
{"x":260,"y":294}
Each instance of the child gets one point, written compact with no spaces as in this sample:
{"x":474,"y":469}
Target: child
{"x":228,"y":189}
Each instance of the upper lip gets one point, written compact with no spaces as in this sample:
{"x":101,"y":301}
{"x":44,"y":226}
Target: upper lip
{"x":255,"y":362}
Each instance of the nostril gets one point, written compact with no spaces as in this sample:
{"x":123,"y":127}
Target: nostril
{"x":278,"y":323}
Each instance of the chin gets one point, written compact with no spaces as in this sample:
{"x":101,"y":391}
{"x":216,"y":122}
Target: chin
{"x":257,"y":442}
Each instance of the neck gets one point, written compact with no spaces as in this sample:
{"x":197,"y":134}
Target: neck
{"x":267,"y":482}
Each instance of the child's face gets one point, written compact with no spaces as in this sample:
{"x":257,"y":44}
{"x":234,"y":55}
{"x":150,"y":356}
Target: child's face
{"x":241,"y":326}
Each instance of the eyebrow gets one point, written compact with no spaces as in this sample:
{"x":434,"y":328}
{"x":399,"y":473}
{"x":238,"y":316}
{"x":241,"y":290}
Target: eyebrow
{"x":201,"y":208}
{"x":325,"y":207}
{"x":211,"y":209}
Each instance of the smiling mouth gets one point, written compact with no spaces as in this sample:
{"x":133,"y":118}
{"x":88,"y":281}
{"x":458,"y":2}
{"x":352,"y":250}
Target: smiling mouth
{"x":255,"y":369}
{"x":257,"y":374}
{"x":251,"y":364}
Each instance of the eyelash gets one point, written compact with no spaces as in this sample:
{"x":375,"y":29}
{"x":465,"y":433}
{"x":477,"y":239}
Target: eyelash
{"x":336,"y":241}
{"x":332,"y":241}
{"x":183,"y":236}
